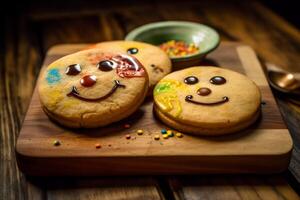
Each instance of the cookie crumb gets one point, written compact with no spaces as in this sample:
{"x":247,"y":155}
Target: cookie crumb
{"x":98,"y":146}
{"x":56,"y":143}
{"x":140,"y":132}
{"x":156,"y":137}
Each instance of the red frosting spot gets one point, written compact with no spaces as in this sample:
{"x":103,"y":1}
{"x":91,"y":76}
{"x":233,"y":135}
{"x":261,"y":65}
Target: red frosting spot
{"x":128,"y":66}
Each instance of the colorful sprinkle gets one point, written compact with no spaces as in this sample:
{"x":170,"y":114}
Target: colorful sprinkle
{"x":126,"y":125}
{"x":128,"y":136}
{"x":179,"y":48}
{"x":163,"y":131}
{"x":179,"y":135}
{"x":140,"y":132}
{"x":98,"y":146}
{"x":165,"y":136}
{"x":53,"y":76}
{"x":170,"y":133}
{"x":156,"y":137}
{"x":56,"y":143}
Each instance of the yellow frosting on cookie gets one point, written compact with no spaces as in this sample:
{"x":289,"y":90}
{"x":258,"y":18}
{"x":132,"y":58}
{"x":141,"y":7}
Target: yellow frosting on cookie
{"x":166,"y":96}
{"x":56,"y":96}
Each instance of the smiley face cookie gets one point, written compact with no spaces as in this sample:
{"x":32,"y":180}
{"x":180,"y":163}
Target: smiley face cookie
{"x":207,"y":101}
{"x":92,"y":88}
{"x":156,"y":61}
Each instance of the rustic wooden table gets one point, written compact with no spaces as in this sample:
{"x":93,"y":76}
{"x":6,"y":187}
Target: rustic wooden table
{"x":30,"y":29}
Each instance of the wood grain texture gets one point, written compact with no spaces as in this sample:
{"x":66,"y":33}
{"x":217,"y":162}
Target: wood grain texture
{"x":274,"y":40}
{"x":268,"y":141}
{"x":17,"y":78}
{"x":231,"y":187}
{"x":64,"y":188}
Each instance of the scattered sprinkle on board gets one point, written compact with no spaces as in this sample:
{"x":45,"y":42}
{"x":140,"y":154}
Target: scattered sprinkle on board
{"x":179,"y":135}
{"x":126,"y":125}
{"x":56,"y":143}
{"x":140,"y":132}
{"x":163,"y":131}
{"x":170,"y":133}
{"x":128,"y":136}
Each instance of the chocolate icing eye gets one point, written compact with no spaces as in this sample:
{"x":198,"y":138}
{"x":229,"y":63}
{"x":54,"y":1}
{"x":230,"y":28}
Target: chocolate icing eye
{"x":106,"y":65}
{"x":190,"y":80}
{"x":217,"y":80}
{"x":132,"y":51}
{"x":73,"y":70}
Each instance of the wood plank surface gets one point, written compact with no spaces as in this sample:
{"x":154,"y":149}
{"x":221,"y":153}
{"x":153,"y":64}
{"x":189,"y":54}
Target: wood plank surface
{"x":231,"y":187}
{"x":65,"y":188}
{"x":24,"y":40}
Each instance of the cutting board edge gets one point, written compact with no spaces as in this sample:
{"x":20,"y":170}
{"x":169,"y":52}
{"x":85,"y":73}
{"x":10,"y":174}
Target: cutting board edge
{"x":192,"y":165}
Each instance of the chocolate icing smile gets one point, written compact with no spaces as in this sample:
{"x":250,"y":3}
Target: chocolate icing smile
{"x":189,"y":98}
{"x":74,"y":92}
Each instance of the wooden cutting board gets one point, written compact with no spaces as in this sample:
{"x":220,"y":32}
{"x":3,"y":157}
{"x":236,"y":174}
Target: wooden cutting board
{"x":265,"y":147}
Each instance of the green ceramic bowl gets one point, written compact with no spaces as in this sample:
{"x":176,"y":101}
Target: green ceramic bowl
{"x":204,"y":37}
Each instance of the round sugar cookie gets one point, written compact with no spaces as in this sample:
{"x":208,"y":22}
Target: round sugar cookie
{"x":207,"y":101}
{"x":92,"y":88}
{"x":155,"y":60}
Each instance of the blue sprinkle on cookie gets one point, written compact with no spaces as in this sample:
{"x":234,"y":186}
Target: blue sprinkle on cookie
{"x":53,"y":76}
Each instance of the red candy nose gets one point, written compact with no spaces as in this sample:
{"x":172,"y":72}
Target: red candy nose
{"x":88,"y":80}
